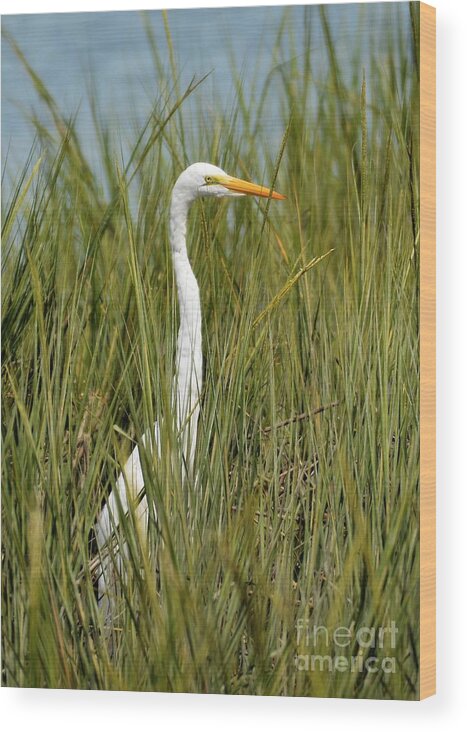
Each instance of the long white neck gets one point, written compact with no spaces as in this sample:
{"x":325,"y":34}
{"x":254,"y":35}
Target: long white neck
{"x":189,"y":359}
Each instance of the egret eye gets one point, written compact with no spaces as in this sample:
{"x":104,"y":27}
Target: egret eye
{"x":208,"y":179}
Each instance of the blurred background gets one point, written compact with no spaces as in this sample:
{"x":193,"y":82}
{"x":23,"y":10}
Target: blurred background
{"x":110,"y":57}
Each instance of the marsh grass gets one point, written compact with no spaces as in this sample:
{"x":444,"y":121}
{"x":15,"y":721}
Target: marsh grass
{"x":295,"y":516}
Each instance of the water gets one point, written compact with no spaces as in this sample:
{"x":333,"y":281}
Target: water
{"x":110,"y":53}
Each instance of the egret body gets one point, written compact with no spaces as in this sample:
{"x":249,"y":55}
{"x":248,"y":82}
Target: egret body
{"x":199,"y":179}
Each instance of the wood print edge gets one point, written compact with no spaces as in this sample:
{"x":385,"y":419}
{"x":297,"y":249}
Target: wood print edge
{"x":427,"y":351}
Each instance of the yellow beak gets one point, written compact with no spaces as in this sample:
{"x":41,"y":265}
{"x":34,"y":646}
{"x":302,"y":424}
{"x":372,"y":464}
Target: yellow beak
{"x":250,"y":189}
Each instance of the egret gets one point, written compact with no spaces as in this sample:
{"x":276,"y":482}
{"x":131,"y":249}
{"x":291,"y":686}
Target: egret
{"x":198,"y":180}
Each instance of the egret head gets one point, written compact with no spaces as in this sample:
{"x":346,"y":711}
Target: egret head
{"x":204,"y":179}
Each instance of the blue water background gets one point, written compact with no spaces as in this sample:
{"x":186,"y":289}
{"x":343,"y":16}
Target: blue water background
{"x":109,"y":53}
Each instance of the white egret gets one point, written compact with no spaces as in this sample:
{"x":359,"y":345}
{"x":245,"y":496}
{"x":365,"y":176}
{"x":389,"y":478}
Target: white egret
{"x":199,"y":179}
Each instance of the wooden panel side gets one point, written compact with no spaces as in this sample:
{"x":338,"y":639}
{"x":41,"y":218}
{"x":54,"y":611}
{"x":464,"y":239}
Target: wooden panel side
{"x":427,"y":350}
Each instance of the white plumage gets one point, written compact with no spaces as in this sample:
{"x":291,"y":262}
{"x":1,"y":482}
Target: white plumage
{"x":199,"y":179}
